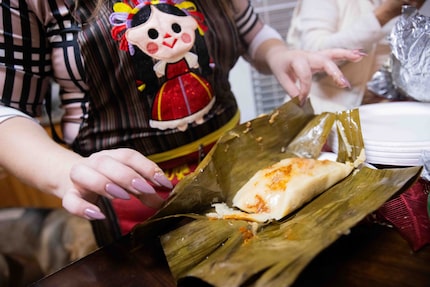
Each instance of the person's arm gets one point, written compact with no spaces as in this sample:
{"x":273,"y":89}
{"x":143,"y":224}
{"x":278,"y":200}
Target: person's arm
{"x":322,"y":25}
{"x":293,"y":69}
{"x":390,"y":9}
{"x":327,"y":24}
{"x":27,"y":151}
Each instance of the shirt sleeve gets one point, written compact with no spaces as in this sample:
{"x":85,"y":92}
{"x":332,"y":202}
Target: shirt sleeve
{"x":327,"y":24}
{"x":8,"y":113}
{"x":247,"y":21}
{"x":24,"y":59}
{"x":39,"y":44}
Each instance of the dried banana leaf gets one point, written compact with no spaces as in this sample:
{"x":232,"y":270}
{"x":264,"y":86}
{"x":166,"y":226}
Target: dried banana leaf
{"x":238,"y":154}
{"x":309,"y":142}
{"x":230,"y":253}
{"x":350,"y":142}
{"x":235,"y":253}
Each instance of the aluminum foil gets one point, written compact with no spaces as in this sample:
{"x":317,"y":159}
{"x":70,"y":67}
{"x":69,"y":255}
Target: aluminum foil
{"x":425,"y":161}
{"x":382,"y":85}
{"x":410,"y":46}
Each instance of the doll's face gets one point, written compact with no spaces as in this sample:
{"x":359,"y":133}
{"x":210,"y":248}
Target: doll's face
{"x":164,"y":36}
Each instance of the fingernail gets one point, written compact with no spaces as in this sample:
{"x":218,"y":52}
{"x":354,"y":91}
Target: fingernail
{"x":142,"y":186}
{"x":94,"y":214}
{"x":360,"y":52}
{"x":344,"y":82}
{"x":303,"y":101}
{"x":161,"y":178}
{"x":116,"y":191}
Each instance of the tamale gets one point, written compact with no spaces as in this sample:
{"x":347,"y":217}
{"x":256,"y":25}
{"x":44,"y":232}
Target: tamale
{"x":278,"y":190}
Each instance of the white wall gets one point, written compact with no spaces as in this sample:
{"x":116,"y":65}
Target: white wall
{"x":240,"y":79}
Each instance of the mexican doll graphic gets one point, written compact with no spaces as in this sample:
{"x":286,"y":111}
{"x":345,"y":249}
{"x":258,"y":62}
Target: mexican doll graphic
{"x":166,"y":32}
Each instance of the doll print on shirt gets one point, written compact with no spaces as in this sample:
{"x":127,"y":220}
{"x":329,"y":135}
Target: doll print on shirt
{"x":164,"y":34}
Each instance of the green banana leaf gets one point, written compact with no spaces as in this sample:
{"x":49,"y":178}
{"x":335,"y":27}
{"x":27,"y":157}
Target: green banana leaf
{"x":236,"y":252}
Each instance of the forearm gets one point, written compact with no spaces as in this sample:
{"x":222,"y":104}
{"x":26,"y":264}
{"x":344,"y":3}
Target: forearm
{"x":258,"y":37}
{"x":385,"y":13}
{"x":261,"y":58}
{"x":27,"y":151}
{"x":322,"y":25}
{"x":390,"y":9}
{"x":362,"y":34}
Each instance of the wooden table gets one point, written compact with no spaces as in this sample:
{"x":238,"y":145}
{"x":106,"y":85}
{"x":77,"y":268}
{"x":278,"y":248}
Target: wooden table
{"x":371,"y":255}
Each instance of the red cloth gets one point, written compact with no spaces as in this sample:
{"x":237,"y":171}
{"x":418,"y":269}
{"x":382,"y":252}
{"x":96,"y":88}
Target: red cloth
{"x":408,"y":214}
{"x":131,"y":212}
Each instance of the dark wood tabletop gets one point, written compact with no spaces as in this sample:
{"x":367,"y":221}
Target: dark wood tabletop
{"x":371,"y":255}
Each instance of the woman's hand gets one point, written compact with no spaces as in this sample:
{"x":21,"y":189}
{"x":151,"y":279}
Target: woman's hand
{"x":78,"y":181}
{"x":118,"y":173}
{"x":294,"y":68}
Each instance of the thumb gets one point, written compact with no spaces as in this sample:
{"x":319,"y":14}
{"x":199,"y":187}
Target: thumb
{"x":75,"y":204}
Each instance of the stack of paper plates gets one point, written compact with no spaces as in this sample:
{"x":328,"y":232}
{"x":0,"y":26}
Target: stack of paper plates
{"x":395,"y":133}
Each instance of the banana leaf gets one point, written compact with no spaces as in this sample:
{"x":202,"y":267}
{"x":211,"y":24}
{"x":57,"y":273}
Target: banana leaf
{"x":236,"y":252}
{"x":350,"y":140}
{"x":246,"y":149}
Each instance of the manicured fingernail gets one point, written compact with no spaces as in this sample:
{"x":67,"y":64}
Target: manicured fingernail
{"x":360,"y":52}
{"x":142,"y":186}
{"x":161,"y":178}
{"x":303,"y":101}
{"x":116,"y":191}
{"x":94,"y":214}
{"x":344,"y":82}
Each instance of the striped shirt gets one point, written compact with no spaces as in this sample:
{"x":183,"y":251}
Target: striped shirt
{"x":42,"y":41}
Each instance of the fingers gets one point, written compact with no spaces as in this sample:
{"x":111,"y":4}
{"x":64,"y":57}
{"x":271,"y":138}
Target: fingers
{"x":295,"y":74}
{"x":114,"y":174}
{"x":75,"y":204}
{"x":292,"y":71}
{"x":289,"y":83}
{"x":289,"y":86}
{"x":123,"y":165}
{"x":325,"y":60}
{"x":141,"y":165}
{"x":152,"y":200}
{"x":338,"y":55}
{"x":303,"y":74}
{"x":328,"y":64}
{"x":331,"y":69}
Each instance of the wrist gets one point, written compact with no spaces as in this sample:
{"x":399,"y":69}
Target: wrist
{"x":265,"y":34}
{"x":272,"y":50}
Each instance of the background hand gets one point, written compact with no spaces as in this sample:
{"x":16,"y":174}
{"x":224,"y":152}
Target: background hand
{"x":294,"y":68}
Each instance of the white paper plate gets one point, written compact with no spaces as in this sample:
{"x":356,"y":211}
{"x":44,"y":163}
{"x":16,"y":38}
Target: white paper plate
{"x":398,"y":149}
{"x":404,"y":155}
{"x":393,"y":161}
{"x":394,"y":133}
{"x":392,"y":144}
{"x":396,"y":123}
